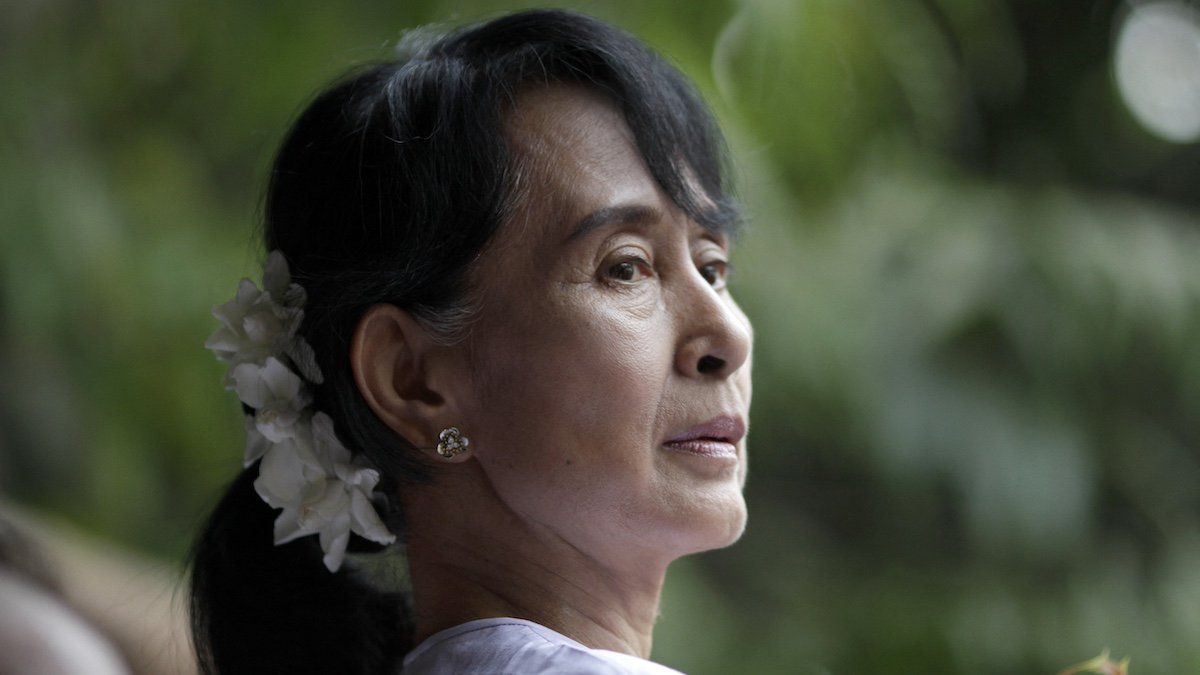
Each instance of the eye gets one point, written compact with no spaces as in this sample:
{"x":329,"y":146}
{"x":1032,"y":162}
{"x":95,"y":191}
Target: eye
{"x":630,"y":267}
{"x":628,"y":271}
{"x":624,"y":271}
{"x":715,"y":273}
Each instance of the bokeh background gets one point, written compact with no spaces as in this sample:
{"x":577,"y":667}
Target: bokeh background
{"x":973,"y":266}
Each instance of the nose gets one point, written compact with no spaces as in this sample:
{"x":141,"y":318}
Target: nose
{"x":715,"y":336}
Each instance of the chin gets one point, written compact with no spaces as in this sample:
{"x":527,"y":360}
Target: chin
{"x":735,"y":526}
{"x":720,"y":529}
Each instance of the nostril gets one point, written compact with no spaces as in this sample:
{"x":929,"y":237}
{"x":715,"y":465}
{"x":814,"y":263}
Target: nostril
{"x":710,"y":364}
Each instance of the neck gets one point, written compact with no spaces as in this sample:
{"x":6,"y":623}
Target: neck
{"x":487,"y":562}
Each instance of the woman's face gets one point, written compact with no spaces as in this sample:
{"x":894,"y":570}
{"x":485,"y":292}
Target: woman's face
{"x":606,"y":331}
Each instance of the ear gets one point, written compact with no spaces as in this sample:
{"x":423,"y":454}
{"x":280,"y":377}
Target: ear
{"x":391,"y":355}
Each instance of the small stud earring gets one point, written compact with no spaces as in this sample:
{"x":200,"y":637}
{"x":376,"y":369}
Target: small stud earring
{"x":451,"y":442}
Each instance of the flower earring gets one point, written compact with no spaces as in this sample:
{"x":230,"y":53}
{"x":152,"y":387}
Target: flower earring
{"x":451,"y":442}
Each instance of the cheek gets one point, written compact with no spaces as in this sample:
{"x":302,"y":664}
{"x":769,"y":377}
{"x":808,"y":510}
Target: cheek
{"x":573,"y":389}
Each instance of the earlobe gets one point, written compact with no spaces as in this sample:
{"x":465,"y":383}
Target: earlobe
{"x":388,"y":358}
{"x":452,"y":445}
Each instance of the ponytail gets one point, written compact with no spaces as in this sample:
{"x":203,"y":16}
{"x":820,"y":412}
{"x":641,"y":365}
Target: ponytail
{"x":261,"y":608}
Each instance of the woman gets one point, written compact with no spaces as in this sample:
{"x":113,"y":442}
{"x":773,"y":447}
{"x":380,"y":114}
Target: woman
{"x":494,"y":327}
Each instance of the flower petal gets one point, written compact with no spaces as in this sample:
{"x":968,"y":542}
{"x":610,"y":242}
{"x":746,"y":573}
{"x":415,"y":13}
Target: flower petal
{"x":326,"y":443}
{"x":365,"y":521}
{"x":301,"y":354}
{"x":287,"y":527}
{"x":277,"y":424}
{"x":294,"y":296}
{"x":302,"y":442}
{"x":262,"y":326}
{"x":280,"y":380}
{"x":275,"y":275}
{"x":280,"y":476}
{"x":332,"y":504}
{"x":359,"y":477}
{"x":247,"y":293}
{"x":334,"y":540}
{"x":223,"y":339}
{"x":256,"y":443}
{"x":246,"y":379}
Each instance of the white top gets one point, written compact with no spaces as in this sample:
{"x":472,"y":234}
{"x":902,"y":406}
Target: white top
{"x":508,"y":645}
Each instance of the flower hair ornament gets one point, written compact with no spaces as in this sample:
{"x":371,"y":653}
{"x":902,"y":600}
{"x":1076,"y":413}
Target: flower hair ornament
{"x":304,"y":469}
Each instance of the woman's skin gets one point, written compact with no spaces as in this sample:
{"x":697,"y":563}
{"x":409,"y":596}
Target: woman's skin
{"x":590,"y":350}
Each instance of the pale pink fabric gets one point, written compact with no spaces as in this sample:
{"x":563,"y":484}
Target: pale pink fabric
{"x":507,"y":645}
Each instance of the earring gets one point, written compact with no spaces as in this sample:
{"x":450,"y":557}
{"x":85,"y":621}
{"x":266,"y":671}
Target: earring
{"x":451,"y":442}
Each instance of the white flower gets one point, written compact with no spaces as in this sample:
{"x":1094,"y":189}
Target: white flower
{"x":358,"y":481}
{"x":288,"y":470}
{"x":276,"y":393}
{"x":332,"y":504}
{"x":345,"y":505}
{"x":303,"y":467}
{"x":261,"y":323}
{"x":254,"y":326}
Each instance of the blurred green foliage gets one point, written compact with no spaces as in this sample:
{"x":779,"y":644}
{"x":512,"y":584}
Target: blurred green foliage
{"x":973,"y":277}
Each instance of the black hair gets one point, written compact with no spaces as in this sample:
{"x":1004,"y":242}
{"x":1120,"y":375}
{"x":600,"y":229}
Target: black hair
{"x":385,"y":190}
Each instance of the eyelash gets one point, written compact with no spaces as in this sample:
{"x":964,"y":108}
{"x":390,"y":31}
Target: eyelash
{"x":723,"y":270}
{"x":631,"y":263}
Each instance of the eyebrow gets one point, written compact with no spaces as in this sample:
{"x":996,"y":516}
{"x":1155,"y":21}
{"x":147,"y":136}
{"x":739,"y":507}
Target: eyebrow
{"x":624,"y":214}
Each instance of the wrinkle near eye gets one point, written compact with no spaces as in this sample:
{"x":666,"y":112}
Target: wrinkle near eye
{"x":639,"y":306}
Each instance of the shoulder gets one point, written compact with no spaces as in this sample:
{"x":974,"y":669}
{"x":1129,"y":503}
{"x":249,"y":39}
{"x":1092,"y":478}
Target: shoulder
{"x":518,"y":646}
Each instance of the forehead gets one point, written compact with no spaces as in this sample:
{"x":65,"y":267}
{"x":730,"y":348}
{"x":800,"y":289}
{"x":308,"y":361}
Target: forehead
{"x":576,"y":154}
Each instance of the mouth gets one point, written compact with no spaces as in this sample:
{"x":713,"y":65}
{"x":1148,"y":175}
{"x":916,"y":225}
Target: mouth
{"x":717,"y":437}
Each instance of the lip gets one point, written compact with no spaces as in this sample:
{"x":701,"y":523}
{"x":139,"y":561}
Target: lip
{"x":717,"y":437}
